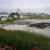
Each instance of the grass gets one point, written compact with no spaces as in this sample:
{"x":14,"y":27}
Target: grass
{"x":24,"y":40}
{"x":11,"y":20}
{"x":48,"y":17}
{"x":7,"y":21}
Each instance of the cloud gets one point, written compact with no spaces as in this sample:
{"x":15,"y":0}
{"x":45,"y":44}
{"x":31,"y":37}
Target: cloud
{"x":25,"y":5}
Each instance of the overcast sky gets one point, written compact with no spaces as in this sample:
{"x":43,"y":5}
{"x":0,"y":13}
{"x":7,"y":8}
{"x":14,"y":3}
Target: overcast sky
{"x":38,"y":6}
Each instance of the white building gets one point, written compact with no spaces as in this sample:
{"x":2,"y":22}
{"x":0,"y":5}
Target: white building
{"x":4,"y":18}
{"x":4,"y":14}
{"x":15,"y":16}
{"x":43,"y":14}
{"x":24,"y":15}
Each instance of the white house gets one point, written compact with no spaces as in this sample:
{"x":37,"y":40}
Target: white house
{"x":15,"y":16}
{"x":34,"y":14}
{"x":24,"y":15}
{"x":4,"y":18}
{"x":43,"y":14}
{"x":4,"y":14}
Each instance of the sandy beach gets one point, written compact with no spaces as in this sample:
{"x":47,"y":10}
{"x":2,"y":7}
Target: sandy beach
{"x":19,"y":27}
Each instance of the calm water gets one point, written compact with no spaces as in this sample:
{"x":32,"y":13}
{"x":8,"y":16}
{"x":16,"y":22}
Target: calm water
{"x":45,"y":31}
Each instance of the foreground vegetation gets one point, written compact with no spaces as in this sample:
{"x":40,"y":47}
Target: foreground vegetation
{"x":24,"y":40}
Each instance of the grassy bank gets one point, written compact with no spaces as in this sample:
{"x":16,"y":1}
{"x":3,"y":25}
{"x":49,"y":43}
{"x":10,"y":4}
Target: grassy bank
{"x":7,"y":21}
{"x":12,"y":20}
{"x":24,"y":40}
{"x":48,"y":17}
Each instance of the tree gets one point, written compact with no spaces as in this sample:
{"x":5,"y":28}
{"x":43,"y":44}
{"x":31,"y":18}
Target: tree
{"x":11,"y":15}
{"x":18,"y":11}
{"x":18,"y":15}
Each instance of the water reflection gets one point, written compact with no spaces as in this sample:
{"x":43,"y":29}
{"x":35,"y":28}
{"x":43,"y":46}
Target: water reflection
{"x":45,"y":31}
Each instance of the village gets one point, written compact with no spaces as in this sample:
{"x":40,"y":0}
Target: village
{"x":5,"y":16}
{"x":24,"y":24}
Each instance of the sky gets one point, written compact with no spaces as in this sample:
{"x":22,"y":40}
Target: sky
{"x":32,"y":6}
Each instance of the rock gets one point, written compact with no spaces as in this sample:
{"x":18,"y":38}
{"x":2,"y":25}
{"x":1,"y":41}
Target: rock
{"x":39,"y":25}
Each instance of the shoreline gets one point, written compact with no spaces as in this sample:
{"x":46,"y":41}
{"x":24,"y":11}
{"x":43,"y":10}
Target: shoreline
{"x":26,"y":28}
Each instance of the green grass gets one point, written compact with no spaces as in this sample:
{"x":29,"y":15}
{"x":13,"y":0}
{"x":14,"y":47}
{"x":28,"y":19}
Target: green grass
{"x":24,"y":40}
{"x":48,"y":17}
{"x":11,"y":20}
{"x":7,"y":21}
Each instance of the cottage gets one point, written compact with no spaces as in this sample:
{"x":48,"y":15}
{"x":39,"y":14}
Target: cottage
{"x":43,"y":14}
{"x":4,"y":14}
{"x":15,"y":16}
{"x":4,"y":18}
{"x":24,"y":15}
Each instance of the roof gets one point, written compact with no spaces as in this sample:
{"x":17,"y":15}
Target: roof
{"x":1,"y":13}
